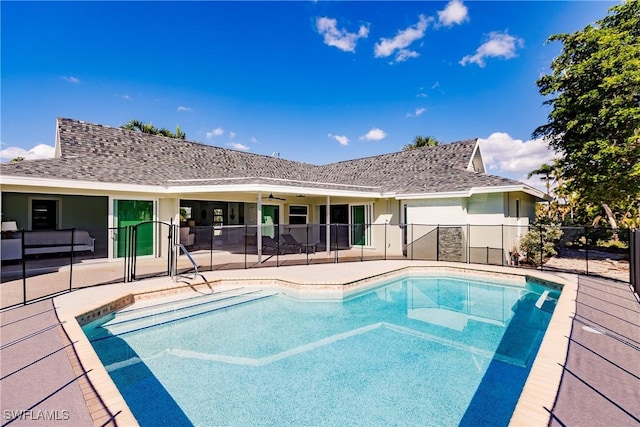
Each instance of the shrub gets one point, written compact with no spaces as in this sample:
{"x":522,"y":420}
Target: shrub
{"x":530,"y":243}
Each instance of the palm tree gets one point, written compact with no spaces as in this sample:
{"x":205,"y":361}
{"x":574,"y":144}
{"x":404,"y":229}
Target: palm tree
{"x":139,"y":126}
{"x":548,"y":173}
{"x":421,"y":141}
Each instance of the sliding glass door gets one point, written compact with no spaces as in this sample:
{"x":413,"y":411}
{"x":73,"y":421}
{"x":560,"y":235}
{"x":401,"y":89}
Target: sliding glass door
{"x":360,"y":225}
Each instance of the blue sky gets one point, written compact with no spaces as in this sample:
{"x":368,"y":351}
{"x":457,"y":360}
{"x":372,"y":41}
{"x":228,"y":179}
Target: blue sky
{"x":316,"y":82}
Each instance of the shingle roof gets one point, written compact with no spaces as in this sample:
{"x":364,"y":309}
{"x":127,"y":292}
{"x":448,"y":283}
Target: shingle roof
{"x":91,"y":152}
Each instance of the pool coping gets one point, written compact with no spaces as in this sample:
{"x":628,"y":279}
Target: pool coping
{"x":534,"y":404}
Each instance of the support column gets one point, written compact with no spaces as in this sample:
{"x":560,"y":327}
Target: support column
{"x":327,"y":220}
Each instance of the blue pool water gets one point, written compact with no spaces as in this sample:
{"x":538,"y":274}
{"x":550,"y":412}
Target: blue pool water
{"x":417,"y":351}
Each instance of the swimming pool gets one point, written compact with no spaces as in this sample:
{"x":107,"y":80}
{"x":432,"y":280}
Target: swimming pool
{"x":415,"y":351}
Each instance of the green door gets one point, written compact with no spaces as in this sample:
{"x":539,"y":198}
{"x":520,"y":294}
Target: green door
{"x":357,"y":226}
{"x":134,"y":212}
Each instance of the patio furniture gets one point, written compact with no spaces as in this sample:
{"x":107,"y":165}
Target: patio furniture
{"x":187,"y":238}
{"x":269,"y":244}
{"x":57,"y":241}
{"x":291,"y":242}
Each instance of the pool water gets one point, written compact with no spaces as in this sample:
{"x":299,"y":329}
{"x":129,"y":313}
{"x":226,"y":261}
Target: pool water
{"x":416,"y":351}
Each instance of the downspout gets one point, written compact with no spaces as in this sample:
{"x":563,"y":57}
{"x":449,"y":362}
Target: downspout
{"x":259,"y":228}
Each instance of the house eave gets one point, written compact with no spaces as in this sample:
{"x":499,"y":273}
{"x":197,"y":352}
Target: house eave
{"x":40,"y":183}
{"x":475,"y":190}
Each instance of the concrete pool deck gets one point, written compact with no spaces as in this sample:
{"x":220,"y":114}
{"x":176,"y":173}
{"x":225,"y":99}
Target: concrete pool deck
{"x":57,"y":377}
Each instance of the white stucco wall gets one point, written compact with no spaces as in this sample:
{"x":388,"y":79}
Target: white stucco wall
{"x":451,"y":211}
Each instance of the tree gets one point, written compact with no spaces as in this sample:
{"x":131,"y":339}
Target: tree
{"x":548,"y":172}
{"x":16,"y":159}
{"x":421,"y":141}
{"x":139,"y":126}
{"x":594,"y":92}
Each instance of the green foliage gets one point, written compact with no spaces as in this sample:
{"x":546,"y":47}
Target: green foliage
{"x":139,"y":126}
{"x":16,"y":159}
{"x":421,"y":141}
{"x":531,"y":243}
{"x":594,"y":92}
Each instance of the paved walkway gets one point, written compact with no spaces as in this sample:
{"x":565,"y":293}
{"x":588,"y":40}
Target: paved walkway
{"x":600,"y":384}
{"x":43,"y":383}
{"x":39,"y":385}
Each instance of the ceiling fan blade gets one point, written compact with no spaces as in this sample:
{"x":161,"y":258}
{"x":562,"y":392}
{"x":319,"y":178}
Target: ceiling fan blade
{"x":272,"y":197}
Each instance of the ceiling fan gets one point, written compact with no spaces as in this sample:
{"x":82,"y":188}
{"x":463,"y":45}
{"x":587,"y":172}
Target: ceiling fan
{"x":272,"y":197}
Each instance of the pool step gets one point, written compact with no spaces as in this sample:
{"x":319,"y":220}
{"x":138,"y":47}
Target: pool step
{"x":140,"y":310}
{"x":128,"y":322}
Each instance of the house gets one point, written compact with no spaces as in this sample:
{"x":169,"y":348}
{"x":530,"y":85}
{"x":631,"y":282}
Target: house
{"x":103,"y":178}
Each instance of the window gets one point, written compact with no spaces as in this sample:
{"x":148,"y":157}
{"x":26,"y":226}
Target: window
{"x":517,"y":208}
{"x":298,"y":214}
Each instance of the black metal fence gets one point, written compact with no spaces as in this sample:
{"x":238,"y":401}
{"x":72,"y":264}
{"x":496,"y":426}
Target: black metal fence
{"x":37,"y":265}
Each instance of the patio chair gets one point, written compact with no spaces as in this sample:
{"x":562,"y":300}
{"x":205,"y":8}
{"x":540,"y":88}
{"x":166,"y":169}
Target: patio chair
{"x":290,"y":242}
{"x":269,"y":244}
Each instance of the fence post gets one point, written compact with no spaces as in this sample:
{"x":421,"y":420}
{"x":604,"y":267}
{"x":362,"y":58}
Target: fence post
{"x":213,"y":232}
{"x":541,"y":249}
{"x":24,"y":269}
{"x":468,"y":243}
{"x":362,"y":241}
{"x":73,"y":231}
{"x":502,"y":244}
{"x":487,"y":255}
{"x":385,"y":240}
{"x":335,"y":243}
{"x":412,"y":242}
{"x":438,"y":242}
{"x":586,"y":248}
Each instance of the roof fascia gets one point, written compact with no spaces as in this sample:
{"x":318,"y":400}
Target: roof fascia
{"x":476,"y":149}
{"x":58,"y":149}
{"x":444,"y":195}
{"x":475,"y":190}
{"x":187,"y":189}
{"x":80,"y":185}
{"x":511,"y":188}
{"x":252,"y":188}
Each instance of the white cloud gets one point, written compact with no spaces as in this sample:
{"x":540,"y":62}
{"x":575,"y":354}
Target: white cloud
{"x":454,"y":13}
{"x":232,"y":135}
{"x":40,"y":151}
{"x":125,"y":96}
{"x":421,"y":95}
{"x":253,"y":140}
{"x":398,"y":44}
{"x":342,"y":139}
{"x":237,"y":146}
{"x":499,"y":45}
{"x":404,"y":54}
{"x":183,"y":108}
{"x":215,"y":132}
{"x":374,"y":134}
{"x":71,"y":79}
{"x":514,"y":158}
{"x":416,"y":113}
{"x":340,"y":38}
